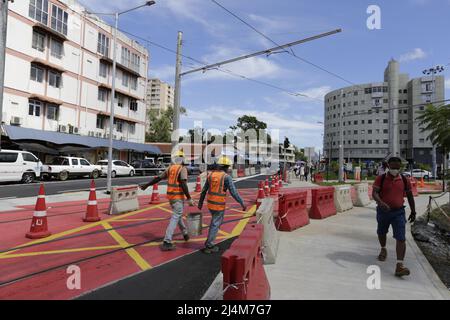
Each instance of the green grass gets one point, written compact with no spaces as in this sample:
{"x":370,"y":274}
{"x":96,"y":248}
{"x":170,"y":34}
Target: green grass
{"x":440,"y":218}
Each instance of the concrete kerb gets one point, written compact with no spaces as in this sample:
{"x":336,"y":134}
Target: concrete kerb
{"x":271,"y":238}
{"x":362,"y":195}
{"x":342,"y":198}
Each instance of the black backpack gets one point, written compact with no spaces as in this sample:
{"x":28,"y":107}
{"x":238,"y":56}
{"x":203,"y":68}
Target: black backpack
{"x":405,"y":183}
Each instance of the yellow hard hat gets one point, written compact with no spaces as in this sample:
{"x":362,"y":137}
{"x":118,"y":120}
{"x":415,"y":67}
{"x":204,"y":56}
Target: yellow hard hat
{"x":224,"y":161}
{"x":179,"y":154}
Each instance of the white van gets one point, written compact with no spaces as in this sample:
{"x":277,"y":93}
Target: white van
{"x":19,"y":166}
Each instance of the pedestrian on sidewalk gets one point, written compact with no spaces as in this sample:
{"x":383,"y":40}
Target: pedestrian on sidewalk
{"x":388,"y":191}
{"x":177,"y":190}
{"x":306,"y":172}
{"x":382,"y":169}
{"x":302,"y":172}
{"x":215,"y":188}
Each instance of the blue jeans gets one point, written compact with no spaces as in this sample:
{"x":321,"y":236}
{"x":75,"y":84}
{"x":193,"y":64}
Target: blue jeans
{"x":177,"y":219}
{"x":216,"y":222}
{"x":396,"y":218}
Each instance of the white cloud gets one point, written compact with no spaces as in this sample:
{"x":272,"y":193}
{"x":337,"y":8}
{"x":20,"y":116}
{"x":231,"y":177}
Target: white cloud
{"x":165,"y":72}
{"x":415,"y":54}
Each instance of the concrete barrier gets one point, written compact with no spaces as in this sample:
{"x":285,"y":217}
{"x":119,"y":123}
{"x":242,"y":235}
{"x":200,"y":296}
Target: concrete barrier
{"x":123,"y":199}
{"x":342,"y":198}
{"x":203,"y":177}
{"x":234,"y":173}
{"x":362,"y":195}
{"x":271,"y":238}
{"x":247,"y":172}
{"x":252,"y":171}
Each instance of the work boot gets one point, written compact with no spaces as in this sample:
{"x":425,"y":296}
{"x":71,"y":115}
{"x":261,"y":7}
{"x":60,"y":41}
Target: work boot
{"x":209,"y":250}
{"x":401,"y":270}
{"x":167,"y":246}
{"x":186,"y":237}
{"x":383,"y":254}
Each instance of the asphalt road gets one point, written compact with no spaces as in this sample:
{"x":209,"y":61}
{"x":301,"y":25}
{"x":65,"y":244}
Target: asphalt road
{"x":72,"y":185}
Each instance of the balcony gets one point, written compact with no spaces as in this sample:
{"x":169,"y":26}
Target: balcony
{"x":38,"y":26}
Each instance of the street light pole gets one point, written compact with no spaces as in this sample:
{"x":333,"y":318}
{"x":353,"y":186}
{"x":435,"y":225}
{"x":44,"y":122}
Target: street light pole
{"x":3,"y":32}
{"x":177,"y":95}
{"x":341,"y":139}
{"x":113,"y":85}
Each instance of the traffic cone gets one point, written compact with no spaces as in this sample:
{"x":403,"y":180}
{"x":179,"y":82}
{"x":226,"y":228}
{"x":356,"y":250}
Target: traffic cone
{"x":280,"y":184}
{"x":276,"y":184}
{"x":39,"y":227}
{"x":261,"y":195}
{"x":273,"y":190}
{"x":422,"y":183}
{"x":92,"y":208}
{"x":155,"y":195}
{"x":198,"y":186}
{"x":266,"y":188}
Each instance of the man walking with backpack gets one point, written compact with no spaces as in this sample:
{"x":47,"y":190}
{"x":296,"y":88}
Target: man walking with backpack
{"x":388,"y":192}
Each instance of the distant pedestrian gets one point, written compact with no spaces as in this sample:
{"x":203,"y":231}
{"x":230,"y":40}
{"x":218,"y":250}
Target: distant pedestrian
{"x":382,"y":169}
{"x":306,"y":172}
{"x":388,"y":191}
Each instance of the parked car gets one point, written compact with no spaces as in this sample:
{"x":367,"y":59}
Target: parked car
{"x":193,"y":169}
{"x":146,"y":167}
{"x":64,"y":167}
{"x":419,"y":173}
{"x":119,"y":168}
{"x":19,"y":166}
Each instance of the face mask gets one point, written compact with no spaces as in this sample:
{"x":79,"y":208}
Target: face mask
{"x":394,"y":172}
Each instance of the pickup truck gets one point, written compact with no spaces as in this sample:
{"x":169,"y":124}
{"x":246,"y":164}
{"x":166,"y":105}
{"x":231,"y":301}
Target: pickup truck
{"x":62,"y":168}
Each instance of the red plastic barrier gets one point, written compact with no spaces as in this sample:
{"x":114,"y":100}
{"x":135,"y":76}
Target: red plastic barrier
{"x":318,"y":177}
{"x":241,"y":173}
{"x":244,"y":277}
{"x":322,"y":203}
{"x":292,"y":211}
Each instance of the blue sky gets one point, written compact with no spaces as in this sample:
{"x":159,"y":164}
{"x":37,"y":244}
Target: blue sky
{"x":415,"y":32}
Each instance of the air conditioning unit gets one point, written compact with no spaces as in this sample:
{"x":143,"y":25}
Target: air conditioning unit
{"x":76,"y":130}
{"x":62,"y":128}
{"x":91,"y":133}
{"x":16,"y":121}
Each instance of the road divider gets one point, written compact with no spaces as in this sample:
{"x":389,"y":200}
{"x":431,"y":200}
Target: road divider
{"x":362,"y":195}
{"x":124,"y":199}
{"x":343,"y":198}
{"x":322,"y":203}
{"x":271,"y":238}
{"x":292,"y":211}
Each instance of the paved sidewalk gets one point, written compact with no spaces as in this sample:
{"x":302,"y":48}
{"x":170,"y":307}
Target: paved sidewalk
{"x":328,"y":259}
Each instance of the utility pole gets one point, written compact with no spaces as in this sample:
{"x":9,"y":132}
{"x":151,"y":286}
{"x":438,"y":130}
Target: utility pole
{"x":341,"y":139}
{"x":177,"y":95}
{"x":3,"y":32}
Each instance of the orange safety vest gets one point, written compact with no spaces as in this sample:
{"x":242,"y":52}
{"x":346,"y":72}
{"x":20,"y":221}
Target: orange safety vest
{"x":174,"y":191}
{"x":216,"y":194}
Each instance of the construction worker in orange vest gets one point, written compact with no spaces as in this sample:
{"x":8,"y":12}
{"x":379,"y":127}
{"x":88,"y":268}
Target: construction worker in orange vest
{"x":177,"y":191}
{"x":215,"y":188}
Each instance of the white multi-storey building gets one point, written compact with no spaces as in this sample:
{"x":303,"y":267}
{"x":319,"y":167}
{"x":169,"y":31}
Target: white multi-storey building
{"x":58,"y":73}
{"x":160,"y":96}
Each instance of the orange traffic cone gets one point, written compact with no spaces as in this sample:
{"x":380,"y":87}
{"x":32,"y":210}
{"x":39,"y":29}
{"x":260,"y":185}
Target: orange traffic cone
{"x":39,"y":223}
{"x":261,"y":195}
{"x":275,"y":182}
{"x":273,"y":190}
{"x":422,"y":183}
{"x":198,"y":186}
{"x":155,"y":195}
{"x":266,"y":188}
{"x":92,"y":208}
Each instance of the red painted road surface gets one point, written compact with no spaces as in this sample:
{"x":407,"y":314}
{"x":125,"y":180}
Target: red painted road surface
{"x":65,"y":220}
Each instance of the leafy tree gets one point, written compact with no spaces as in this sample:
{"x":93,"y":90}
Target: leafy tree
{"x":436,"y":121}
{"x":160,"y":128}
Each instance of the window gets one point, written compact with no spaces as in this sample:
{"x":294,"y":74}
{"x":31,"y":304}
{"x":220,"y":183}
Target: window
{"x":355,"y":93}
{"x":119,"y":125}
{"x":38,"y":10}
{"x":57,"y":48}
{"x":103,"y":44}
{"x":134,"y":82}
{"x":126,"y":56}
{"x":385,"y":141}
{"x":369,"y":141}
{"x":125,"y":79}
{"x":102,"y":94}
{"x":363,"y":141}
{"x":355,"y":103}
{"x":59,"y":20}
{"x":422,"y":140}
{"x":119,"y":100}
{"x":355,"y":122}
{"x":369,"y":121}
{"x":355,"y":141}
{"x":355,"y":131}
{"x":6,"y":157}
{"x":135,"y":62}
{"x":133,"y":105}
{"x":52,"y":112}
{"x":38,"y":41}
{"x":75,"y":162}
{"x":84,"y":162}
{"x":368,"y":90}
{"x":100,"y":122}
{"x":385,"y":121}
{"x":377,"y":141}
{"x":363,"y":131}
{"x":54,"y":79}
{"x":369,"y":131}
{"x":36,"y":73}
{"x":385,"y":101}
{"x":132,"y":128}
{"x":29,"y":157}
{"x":34,"y":108}
{"x":103,"y":71}
{"x":385,"y":131}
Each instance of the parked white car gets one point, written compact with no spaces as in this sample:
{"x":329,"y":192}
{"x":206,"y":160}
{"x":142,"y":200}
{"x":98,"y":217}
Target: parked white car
{"x":19,"y":166}
{"x":119,"y":168}
{"x":419,"y":173}
{"x":64,"y":167}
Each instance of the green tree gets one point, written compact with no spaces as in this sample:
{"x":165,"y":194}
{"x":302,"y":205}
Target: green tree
{"x":160,"y":128}
{"x":436,"y":121}
{"x":299,"y":155}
